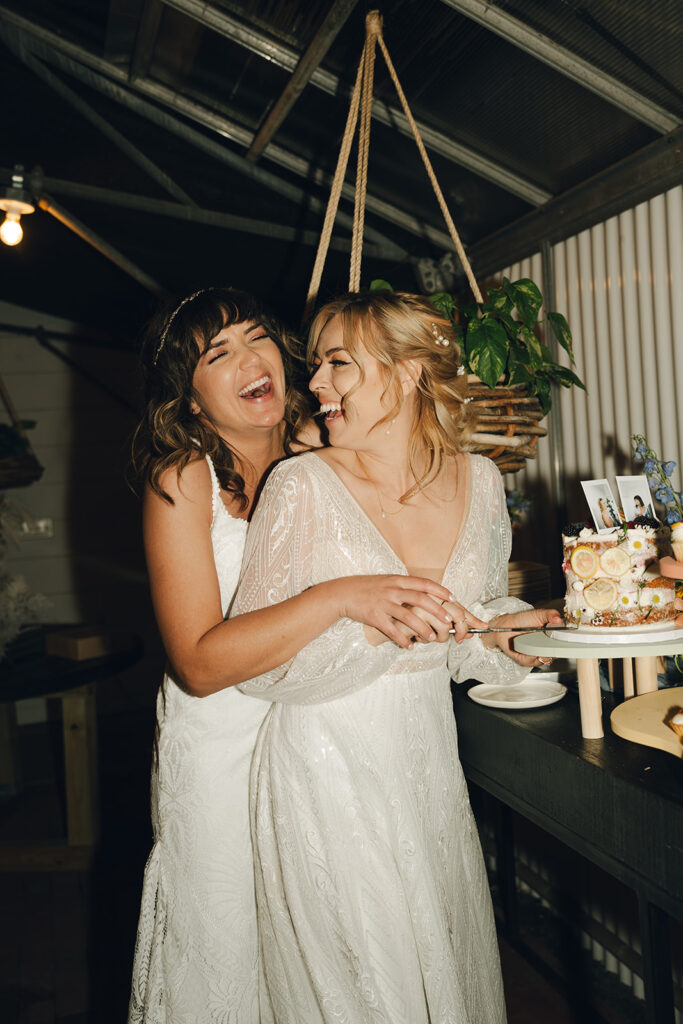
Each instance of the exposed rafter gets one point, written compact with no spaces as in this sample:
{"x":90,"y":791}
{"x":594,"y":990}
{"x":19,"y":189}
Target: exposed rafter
{"x":148,"y":28}
{"x":66,"y":218}
{"x":113,"y":82}
{"x":285,"y":57}
{"x":196,"y":215}
{"x":318,"y":47}
{"x":102,"y":124}
{"x":631,"y":181}
{"x":567,"y":63}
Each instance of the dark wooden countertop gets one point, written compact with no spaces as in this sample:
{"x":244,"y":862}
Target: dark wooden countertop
{"x":617,"y":803}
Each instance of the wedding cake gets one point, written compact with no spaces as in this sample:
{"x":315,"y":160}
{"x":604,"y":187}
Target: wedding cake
{"x":612,"y":577}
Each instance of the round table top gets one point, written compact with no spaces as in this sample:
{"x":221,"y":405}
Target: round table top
{"x":540,"y":645}
{"x":36,"y":674}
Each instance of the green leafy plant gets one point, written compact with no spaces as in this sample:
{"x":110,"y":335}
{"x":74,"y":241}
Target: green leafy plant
{"x":498,"y":338}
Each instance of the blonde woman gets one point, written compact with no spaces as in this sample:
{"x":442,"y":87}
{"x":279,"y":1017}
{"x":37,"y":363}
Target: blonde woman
{"x":220,"y":411}
{"x":372,"y":894}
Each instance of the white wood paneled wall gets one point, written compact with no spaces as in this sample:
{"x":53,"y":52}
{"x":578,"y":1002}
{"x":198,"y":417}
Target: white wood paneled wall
{"x":92,"y":570}
{"x":620,"y":285}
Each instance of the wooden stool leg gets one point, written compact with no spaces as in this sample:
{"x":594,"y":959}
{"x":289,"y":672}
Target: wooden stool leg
{"x":646,"y":674}
{"x":589,"y":698}
{"x":80,"y":765}
{"x":610,"y":670}
{"x":629,"y":690}
{"x":10,"y":766}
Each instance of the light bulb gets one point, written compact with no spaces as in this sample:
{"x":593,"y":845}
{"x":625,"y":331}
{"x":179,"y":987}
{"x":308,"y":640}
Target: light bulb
{"x":11,"y":231}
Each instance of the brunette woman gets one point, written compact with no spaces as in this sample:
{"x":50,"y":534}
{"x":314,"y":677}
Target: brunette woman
{"x":220,"y":412}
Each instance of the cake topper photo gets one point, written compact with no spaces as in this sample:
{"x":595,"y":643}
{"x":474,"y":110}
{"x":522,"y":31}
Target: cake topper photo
{"x":602,"y":504}
{"x":634,"y":492}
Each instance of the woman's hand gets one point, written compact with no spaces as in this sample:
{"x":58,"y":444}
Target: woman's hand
{"x":394,"y":607}
{"x":533,"y":617}
{"x":457,"y":618}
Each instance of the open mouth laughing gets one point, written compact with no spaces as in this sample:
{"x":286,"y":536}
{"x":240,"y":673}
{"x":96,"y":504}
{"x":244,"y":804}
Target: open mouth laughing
{"x":261,"y":388}
{"x":330,"y":410}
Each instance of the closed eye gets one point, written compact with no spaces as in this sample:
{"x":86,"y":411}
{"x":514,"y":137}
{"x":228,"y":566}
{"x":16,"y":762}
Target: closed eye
{"x":217,"y":355}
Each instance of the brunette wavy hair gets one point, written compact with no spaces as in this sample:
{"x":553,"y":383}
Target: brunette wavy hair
{"x":168,"y":434}
{"x":395,"y":327}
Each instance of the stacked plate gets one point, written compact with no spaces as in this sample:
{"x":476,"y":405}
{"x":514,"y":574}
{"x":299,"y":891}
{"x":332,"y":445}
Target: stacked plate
{"x":529,"y":580}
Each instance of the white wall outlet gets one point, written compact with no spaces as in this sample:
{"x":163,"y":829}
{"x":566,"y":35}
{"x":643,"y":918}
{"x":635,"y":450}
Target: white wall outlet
{"x":38,"y":528}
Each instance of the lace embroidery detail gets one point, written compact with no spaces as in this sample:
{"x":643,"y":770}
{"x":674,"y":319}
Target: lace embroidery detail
{"x":196,"y":956}
{"x":372,"y":892}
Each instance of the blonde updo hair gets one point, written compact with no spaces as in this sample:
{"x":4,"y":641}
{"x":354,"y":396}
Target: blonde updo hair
{"x":395,"y":327}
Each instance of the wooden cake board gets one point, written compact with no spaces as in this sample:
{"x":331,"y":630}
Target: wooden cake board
{"x":643,"y":719}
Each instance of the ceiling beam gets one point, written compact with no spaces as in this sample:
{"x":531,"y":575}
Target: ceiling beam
{"x":309,"y":61}
{"x":197,"y":215}
{"x":286,"y":57}
{"x":145,"y":38}
{"x":98,"y":74}
{"x":567,"y":63}
{"x":48,"y":204}
{"x":647,"y":173}
{"x":102,"y":124}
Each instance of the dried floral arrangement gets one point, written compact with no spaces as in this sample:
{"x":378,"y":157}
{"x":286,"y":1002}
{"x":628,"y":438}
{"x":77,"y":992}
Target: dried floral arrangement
{"x":659,"y":473}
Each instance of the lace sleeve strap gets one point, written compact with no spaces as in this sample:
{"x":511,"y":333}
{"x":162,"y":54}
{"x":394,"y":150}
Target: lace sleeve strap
{"x":215,"y":489}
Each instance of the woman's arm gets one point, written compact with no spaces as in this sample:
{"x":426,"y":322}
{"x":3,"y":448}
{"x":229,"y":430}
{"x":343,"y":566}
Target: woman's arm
{"x":207,"y":653}
{"x":491,"y":658}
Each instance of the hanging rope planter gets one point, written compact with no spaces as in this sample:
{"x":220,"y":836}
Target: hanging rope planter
{"x":507,"y":418}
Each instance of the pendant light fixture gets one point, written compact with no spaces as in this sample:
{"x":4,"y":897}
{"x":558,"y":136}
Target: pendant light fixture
{"x":16,"y":202}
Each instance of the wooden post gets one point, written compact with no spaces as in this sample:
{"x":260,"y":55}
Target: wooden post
{"x":10,"y":766}
{"x":80,"y":765}
{"x":588,"y":672}
{"x":629,"y":690}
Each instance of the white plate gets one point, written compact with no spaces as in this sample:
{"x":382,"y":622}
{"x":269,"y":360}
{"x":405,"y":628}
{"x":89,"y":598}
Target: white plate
{"x":533,"y":692}
{"x":655,"y":633}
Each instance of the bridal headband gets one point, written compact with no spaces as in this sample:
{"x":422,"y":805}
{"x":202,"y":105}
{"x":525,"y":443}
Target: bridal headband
{"x":174,"y":314}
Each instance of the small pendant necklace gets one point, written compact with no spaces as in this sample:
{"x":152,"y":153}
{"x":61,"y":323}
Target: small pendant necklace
{"x":382,"y":510}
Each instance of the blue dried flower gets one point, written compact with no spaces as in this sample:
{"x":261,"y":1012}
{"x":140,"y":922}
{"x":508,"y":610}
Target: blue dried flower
{"x":650,"y":466}
{"x":641,"y":448}
{"x":672,"y":516}
{"x":668,"y":467}
{"x":664,"y":494}
{"x":637,"y":456}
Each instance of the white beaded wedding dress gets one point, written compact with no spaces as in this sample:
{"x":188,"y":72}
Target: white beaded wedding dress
{"x":373,"y":901}
{"x":196,"y":957}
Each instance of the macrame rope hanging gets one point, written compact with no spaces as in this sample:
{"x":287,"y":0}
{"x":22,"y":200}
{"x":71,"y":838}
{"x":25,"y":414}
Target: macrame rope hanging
{"x":361,"y":101}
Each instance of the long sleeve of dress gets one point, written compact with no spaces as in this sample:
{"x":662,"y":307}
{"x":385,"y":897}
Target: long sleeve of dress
{"x":471,"y":660}
{"x":296,"y":539}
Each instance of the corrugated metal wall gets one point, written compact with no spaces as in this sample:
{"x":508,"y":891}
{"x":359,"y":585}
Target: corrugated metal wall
{"x":620,"y":285}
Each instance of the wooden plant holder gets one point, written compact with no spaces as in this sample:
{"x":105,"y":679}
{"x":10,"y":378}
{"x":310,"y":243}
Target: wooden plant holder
{"x":507,"y":423}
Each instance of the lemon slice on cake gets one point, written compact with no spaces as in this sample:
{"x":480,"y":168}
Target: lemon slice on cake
{"x":584,"y":562}
{"x":601,"y":595}
{"x":615,"y":562}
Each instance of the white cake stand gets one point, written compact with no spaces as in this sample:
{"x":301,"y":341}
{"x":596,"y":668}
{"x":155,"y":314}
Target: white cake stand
{"x":587,"y":654}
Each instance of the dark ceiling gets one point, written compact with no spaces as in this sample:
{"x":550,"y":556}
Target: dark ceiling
{"x":540,"y":117}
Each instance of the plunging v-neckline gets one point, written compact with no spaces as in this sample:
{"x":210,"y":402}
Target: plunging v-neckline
{"x":383,"y":539}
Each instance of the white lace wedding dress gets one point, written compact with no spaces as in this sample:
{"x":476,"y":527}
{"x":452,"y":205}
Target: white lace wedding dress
{"x":373,"y":901}
{"x":196,"y":957}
